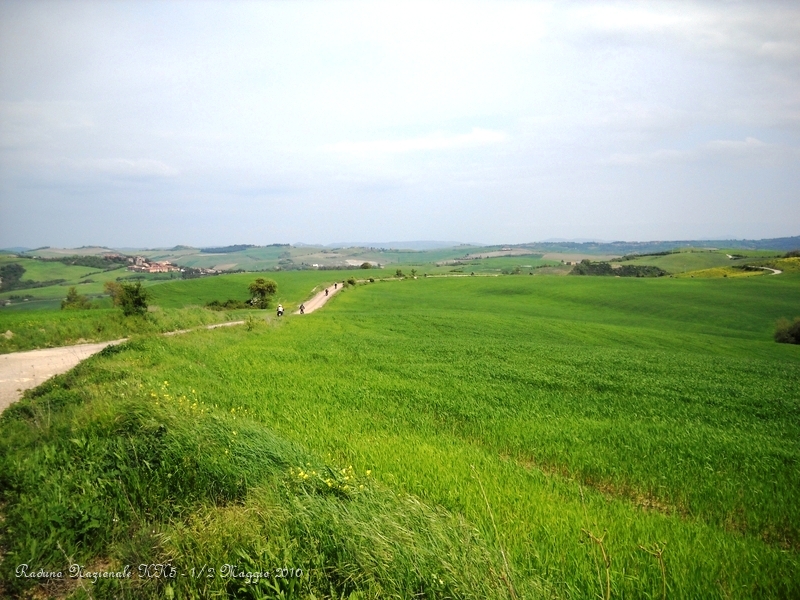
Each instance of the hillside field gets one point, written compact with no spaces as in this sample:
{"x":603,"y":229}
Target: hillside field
{"x":506,"y":437}
{"x":174,"y":305}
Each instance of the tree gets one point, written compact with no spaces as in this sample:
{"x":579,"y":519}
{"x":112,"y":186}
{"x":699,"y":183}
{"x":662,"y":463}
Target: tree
{"x":366,"y":265}
{"x":399,"y":273}
{"x":75,"y":301}
{"x":260,"y":292}
{"x":133,"y":299}
{"x":413,"y":273}
{"x":114,"y":290}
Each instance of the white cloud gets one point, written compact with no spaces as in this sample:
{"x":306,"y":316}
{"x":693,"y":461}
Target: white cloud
{"x":750,"y":150}
{"x":437,"y":141}
{"x":763,"y":29}
{"x":129,"y":168}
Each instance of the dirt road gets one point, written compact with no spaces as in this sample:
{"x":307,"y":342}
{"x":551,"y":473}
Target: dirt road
{"x":320,"y":299}
{"x":22,"y":370}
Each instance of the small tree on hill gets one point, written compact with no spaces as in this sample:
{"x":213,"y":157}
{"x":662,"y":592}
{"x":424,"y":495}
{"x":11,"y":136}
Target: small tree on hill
{"x":399,"y":273}
{"x":75,"y":301}
{"x":366,"y":265}
{"x":261,"y":290}
{"x":113,"y":289}
{"x":133,"y":299}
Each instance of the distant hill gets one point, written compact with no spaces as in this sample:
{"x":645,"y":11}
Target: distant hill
{"x":621,"y":248}
{"x":618,"y":248}
{"x":227,"y":249}
{"x":414,"y":245}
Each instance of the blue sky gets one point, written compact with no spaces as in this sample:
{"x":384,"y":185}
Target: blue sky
{"x":155,"y":124}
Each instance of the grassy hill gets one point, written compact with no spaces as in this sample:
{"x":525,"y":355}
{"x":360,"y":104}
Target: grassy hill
{"x":550,"y":421}
{"x":89,"y":282}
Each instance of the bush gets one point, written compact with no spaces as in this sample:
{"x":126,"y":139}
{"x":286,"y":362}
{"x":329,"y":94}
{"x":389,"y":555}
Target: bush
{"x":399,"y":273}
{"x":366,"y":265}
{"x":351,"y":281}
{"x":75,"y":301}
{"x":792,"y":254}
{"x":227,"y":305}
{"x":133,"y":299}
{"x":787,"y":332}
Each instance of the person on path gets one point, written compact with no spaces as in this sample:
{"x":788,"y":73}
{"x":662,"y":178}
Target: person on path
{"x":302,"y":309}
{"x":326,"y":291}
{"x":334,"y":285}
{"x":280,"y":310}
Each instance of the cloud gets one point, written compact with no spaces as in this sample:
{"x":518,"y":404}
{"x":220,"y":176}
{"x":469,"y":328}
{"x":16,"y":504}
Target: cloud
{"x":129,"y":169}
{"x":749,"y":150}
{"x":437,"y":141}
{"x":766,"y":29}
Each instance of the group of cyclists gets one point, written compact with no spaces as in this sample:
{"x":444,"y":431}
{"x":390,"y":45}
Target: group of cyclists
{"x":303,"y":306}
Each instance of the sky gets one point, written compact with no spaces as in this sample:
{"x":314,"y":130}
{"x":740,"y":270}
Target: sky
{"x":151,"y":124}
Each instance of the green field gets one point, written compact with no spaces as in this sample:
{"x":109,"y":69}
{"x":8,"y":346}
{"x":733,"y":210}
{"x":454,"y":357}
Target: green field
{"x":485,"y":417}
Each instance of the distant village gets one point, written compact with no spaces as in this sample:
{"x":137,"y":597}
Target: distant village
{"x":140,"y":264}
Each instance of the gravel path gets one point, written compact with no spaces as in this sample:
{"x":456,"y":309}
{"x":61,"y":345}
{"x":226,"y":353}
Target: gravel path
{"x":20,"y":371}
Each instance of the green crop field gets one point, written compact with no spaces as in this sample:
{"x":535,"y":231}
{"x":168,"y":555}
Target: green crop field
{"x":471,"y":437}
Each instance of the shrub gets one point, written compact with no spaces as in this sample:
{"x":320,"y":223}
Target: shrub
{"x":787,"y":332}
{"x":366,"y":265}
{"x":133,"y":299}
{"x":75,"y":301}
{"x":229,"y":304}
{"x":792,"y":254}
{"x":351,"y":281}
{"x":399,"y":273}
